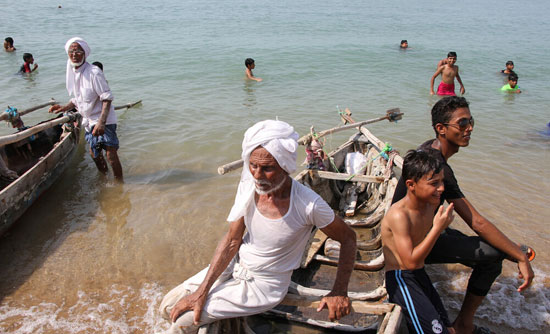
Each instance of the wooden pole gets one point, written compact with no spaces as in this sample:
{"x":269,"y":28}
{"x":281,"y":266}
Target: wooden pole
{"x":4,"y":116}
{"x":127,"y":105}
{"x":392,"y":115}
{"x":35,"y":129}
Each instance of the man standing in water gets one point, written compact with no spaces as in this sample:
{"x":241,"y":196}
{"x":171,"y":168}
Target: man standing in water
{"x":93,"y":100}
{"x":453,"y":125}
{"x":250,"y":273}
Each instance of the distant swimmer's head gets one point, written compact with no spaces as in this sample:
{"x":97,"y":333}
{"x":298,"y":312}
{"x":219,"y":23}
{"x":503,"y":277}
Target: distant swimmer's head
{"x":249,"y":63}
{"x":8,"y":43}
{"x":452,"y":121}
{"x":28,"y":58}
{"x":510,"y":65}
{"x":98,"y":64}
{"x":512,"y":79}
{"x":423,"y":174}
{"x":78,"y":50}
{"x":404,"y":44}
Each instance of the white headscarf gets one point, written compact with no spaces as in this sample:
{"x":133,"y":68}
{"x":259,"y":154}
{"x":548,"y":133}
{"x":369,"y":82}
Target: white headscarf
{"x":281,"y":141}
{"x":70,"y":70}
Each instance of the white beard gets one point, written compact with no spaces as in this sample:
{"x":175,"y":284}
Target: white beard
{"x":75,"y":65}
{"x":273,"y":189}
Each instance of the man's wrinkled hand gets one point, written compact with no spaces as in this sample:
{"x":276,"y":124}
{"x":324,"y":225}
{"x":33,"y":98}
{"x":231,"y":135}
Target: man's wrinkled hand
{"x":338,"y":306}
{"x":194,"y":302}
{"x":98,"y":130}
{"x":55,"y":109}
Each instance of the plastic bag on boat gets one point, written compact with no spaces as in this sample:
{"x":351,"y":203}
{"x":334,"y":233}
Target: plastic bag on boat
{"x":355,"y":163}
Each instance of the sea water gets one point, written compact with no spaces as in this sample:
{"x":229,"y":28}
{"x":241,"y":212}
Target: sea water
{"x":93,"y":257}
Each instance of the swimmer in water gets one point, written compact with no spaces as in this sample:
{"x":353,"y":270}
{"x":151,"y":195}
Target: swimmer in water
{"x":512,"y":85}
{"x":249,"y":63}
{"x":404,"y":44}
{"x":509,"y":68}
{"x":8,"y":45}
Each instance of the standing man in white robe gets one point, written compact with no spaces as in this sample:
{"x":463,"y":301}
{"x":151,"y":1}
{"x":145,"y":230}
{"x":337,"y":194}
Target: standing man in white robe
{"x":250,"y":273}
{"x":93,"y":100}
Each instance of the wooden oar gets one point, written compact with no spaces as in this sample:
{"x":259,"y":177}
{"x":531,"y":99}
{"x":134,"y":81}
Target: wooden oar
{"x":392,"y":115}
{"x":127,"y":105}
{"x":35,"y":129}
{"x":4,"y":116}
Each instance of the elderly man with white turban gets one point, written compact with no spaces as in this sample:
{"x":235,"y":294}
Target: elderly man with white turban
{"x":92,"y":98}
{"x":250,"y":273}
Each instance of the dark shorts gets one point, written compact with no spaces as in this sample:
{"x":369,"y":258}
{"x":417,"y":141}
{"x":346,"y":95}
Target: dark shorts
{"x":98,"y":143}
{"x":414,"y":292}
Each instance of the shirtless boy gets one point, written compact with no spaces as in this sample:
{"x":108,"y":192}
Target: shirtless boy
{"x":509,"y":68}
{"x":249,"y":63}
{"x":448,"y":73}
{"x":8,"y":45}
{"x":409,"y":232}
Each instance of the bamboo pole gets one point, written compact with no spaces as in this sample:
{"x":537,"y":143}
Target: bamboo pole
{"x":6,"y":140}
{"x":391,"y":115}
{"x":4,"y":116}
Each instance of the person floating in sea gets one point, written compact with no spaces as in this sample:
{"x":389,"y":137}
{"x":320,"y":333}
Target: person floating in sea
{"x":27,"y":66}
{"x":512,"y":85}
{"x":8,"y":45}
{"x":250,"y":65}
{"x":404,"y":44}
{"x":453,"y":125}
{"x":448,"y":71}
{"x":250,"y":272}
{"x":509,"y":68}
{"x":92,"y":98}
{"x":98,"y":64}
{"x":409,"y":231}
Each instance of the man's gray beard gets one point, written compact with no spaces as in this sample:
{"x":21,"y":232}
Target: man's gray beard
{"x":265,"y":192}
{"x":75,"y":65}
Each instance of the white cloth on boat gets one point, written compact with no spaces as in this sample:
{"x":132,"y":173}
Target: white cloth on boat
{"x":90,"y":88}
{"x":280,"y":140}
{"x":259,"y":276}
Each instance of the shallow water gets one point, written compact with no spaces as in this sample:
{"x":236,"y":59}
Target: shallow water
{"x":92,"y":257}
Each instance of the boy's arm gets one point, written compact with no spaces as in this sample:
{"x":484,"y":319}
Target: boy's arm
{"x":251,"y":76}
{"x":412,"y":256}
{"x":437,"y":72}
{"x":462,"y":90}
{"x":34,"y":68}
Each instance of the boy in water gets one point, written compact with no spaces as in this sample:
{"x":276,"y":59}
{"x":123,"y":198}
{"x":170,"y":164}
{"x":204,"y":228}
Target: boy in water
{"x":404,"y":44}
{"x":8,"y":45}
{"x":512,"y":85}
{"x":249,"y":63}
{"x":26,"y":67}
{"x":98,"y":64}
{"x":448,"y":71}
{"x":409,"y":232}
{"x":509,"y":68}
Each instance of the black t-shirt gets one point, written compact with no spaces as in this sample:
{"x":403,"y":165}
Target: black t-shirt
{"x":452,"y":190}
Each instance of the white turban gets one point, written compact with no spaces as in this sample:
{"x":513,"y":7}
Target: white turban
{"x":70,"y":71}
{"x":281,"y":141}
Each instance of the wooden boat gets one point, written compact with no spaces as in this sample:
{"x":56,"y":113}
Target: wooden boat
{"x":38,"y":156}
{"x":33,"y":159}
{"x":361,"y":198}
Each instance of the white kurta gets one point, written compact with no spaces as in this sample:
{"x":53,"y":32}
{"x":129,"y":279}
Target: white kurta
{"x":258,"y":278}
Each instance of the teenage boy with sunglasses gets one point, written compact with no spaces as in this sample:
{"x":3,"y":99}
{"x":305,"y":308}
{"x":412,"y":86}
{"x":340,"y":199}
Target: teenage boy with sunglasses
{"x":453,"y":125}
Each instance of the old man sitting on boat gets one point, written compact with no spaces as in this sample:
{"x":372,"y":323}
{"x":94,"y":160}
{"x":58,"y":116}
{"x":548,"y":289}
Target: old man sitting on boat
{"x":250,"y":273}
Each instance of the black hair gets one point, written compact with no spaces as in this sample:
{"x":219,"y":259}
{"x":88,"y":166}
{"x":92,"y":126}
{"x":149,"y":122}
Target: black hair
{"x":403,"y":41}
{"x":513,"y":76}
{"x":418,"y":163}
{"x":248,"y":61}
{"x":509,"y":62}
{"x":451,"y":54}
{"x":98,"y":64}
{"x":443,"y":110}
{"x":27,"y":56}
{"x":9,"y":40}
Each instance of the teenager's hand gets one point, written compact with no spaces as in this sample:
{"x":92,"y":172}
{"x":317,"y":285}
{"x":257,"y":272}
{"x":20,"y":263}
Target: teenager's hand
{"x":432,"y":93}
{"x":526,"y":273}
{"x":444,"y":217}
{"x":462,"y":90}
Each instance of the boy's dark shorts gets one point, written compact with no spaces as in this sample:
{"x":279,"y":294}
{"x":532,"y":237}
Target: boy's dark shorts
{"x":97,"y":143}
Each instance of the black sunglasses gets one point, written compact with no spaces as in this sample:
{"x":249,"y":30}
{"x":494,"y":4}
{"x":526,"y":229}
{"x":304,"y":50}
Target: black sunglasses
{"x":462,"y":123}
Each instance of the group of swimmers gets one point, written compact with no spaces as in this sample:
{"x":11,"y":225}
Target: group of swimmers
{"x":449,"y":71}
{"x":28,"y":60}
